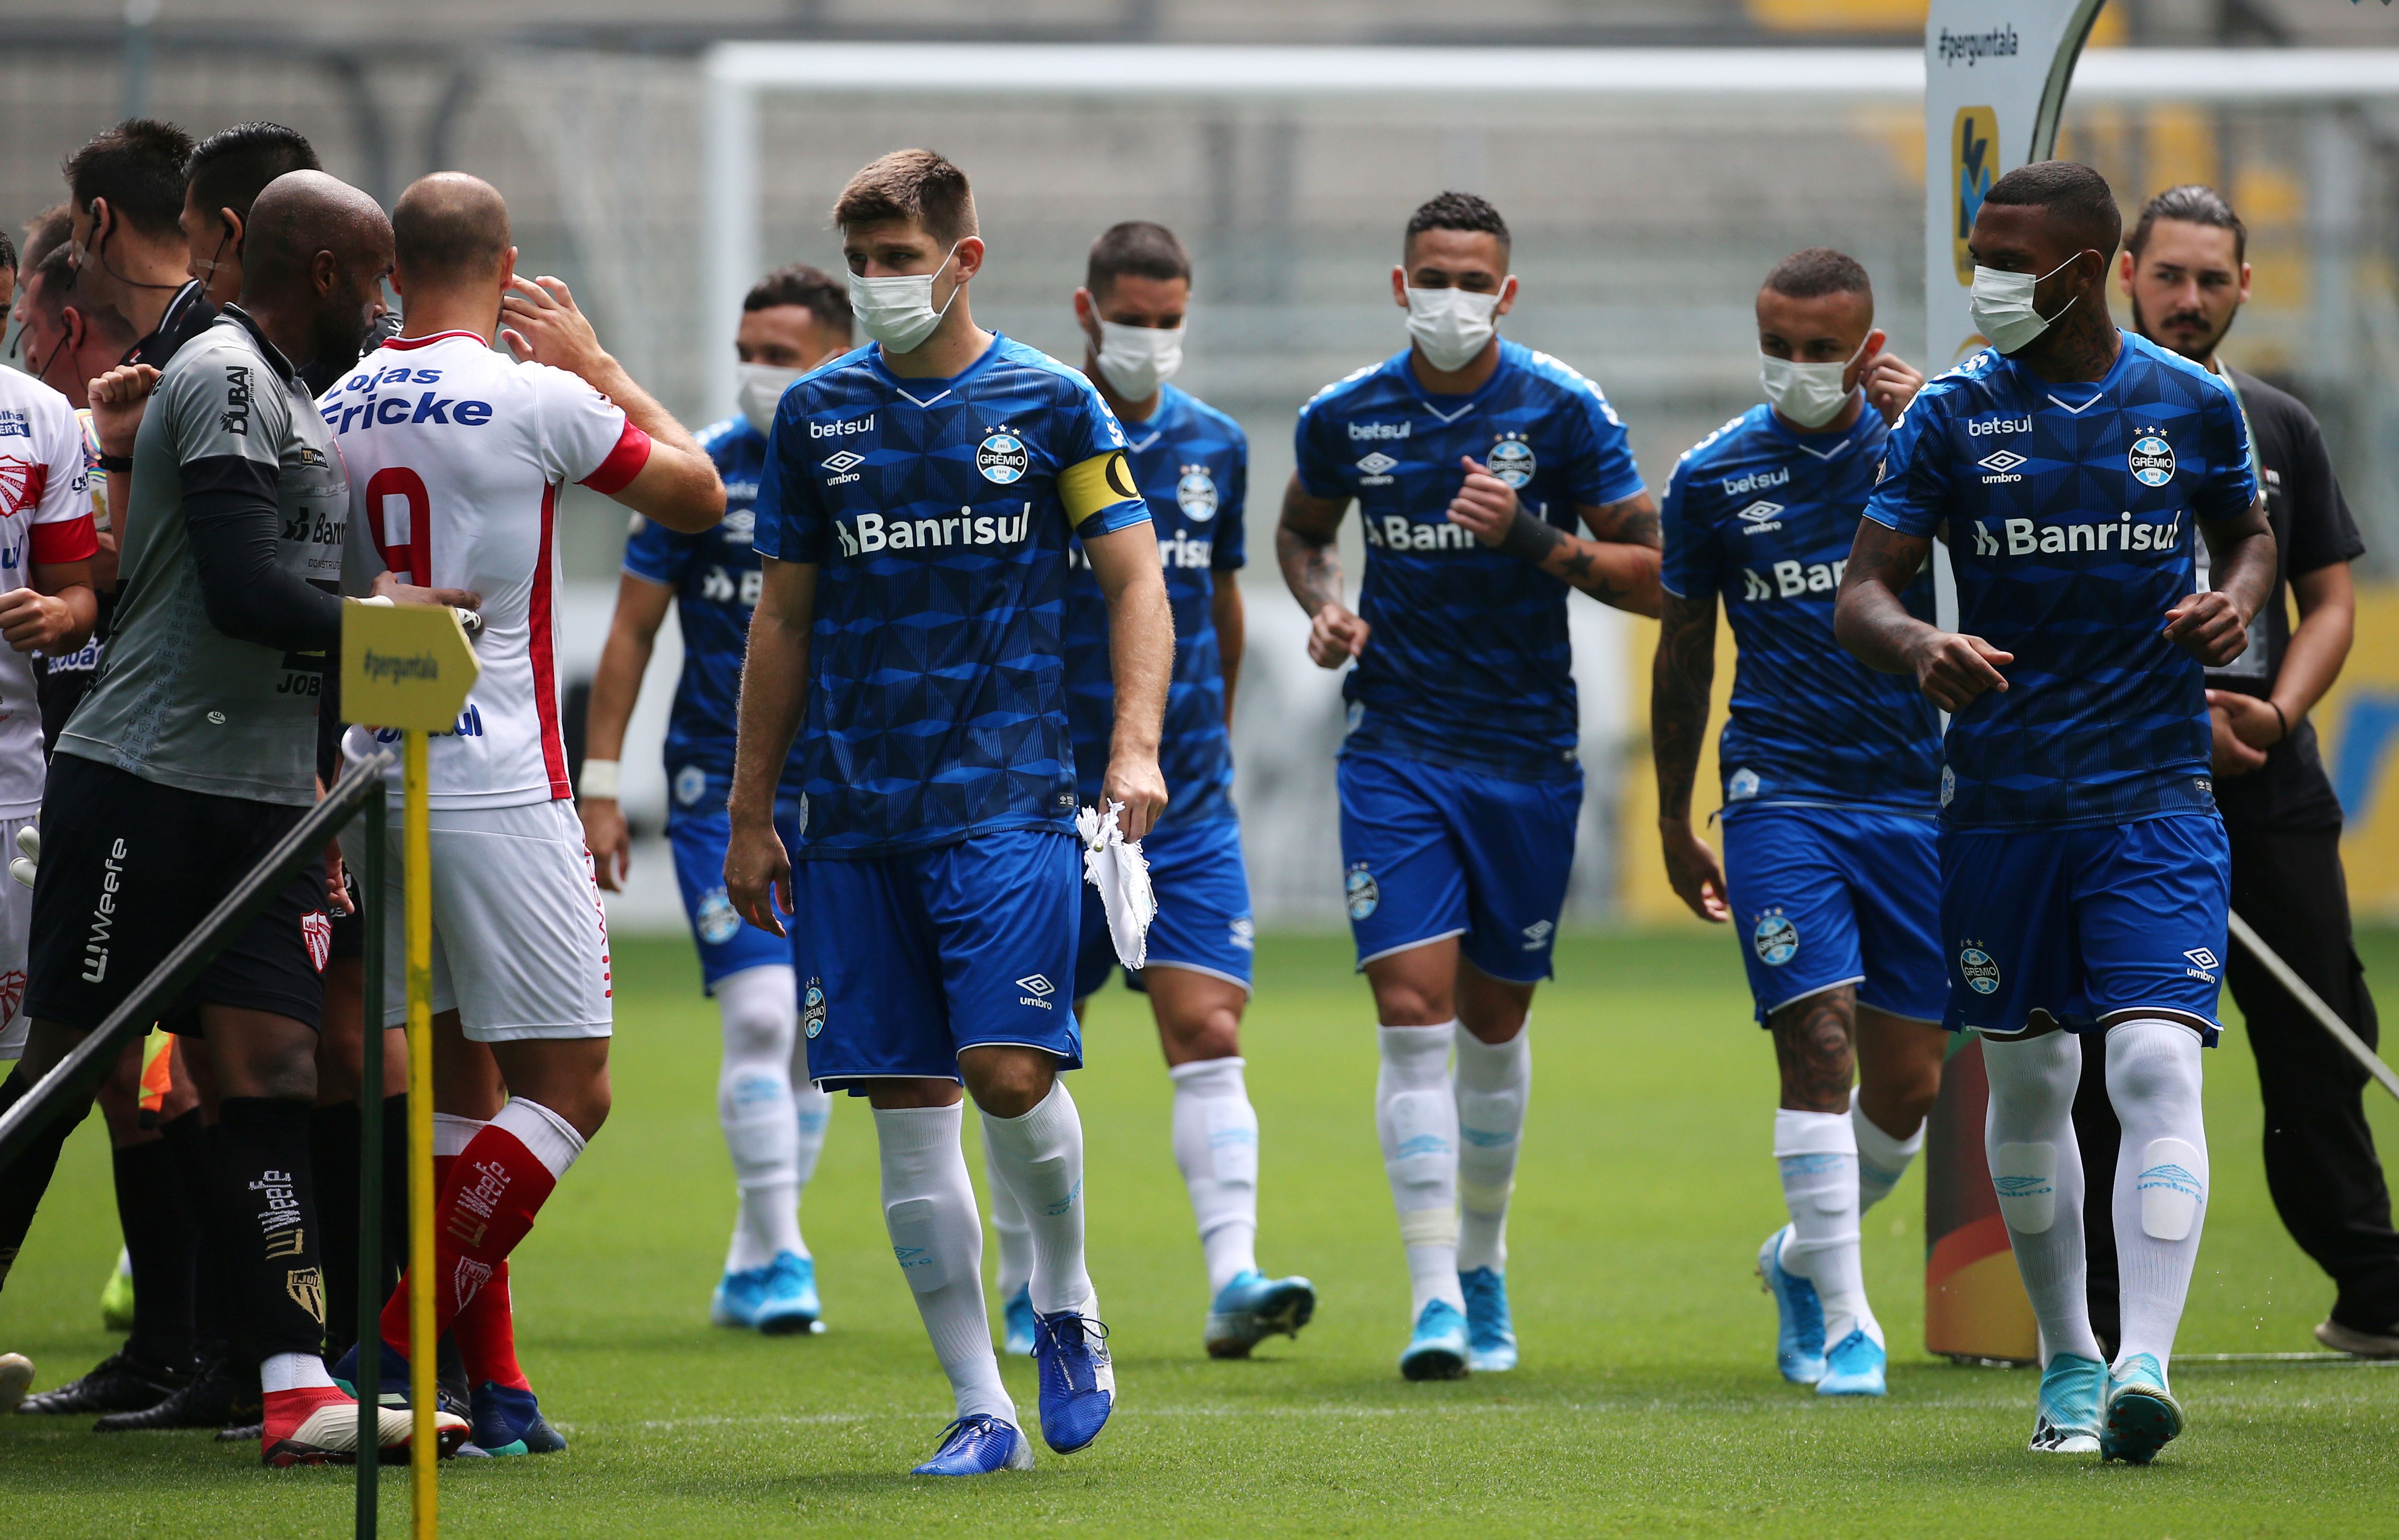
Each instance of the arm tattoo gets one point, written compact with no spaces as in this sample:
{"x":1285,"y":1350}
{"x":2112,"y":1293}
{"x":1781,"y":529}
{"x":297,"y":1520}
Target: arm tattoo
{"x":1869,"y":619}
{"x":1680,"y":683}
{"x":1306,"y":547}
{"x":1628,"y":520}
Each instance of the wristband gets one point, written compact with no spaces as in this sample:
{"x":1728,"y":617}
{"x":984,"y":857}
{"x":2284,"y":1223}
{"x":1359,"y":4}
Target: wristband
{"x":116,"y":464}
{"x":2280,"y":718}
{"x":600,"y":779}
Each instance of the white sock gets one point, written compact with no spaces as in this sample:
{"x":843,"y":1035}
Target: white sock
{"x":293,"y":1372}
{"x":1493,"y":1081}
{"x":1040,"y":1156}
{"x":1416,"y":1115}
{"x":2160,"y":1196}
{"x":928,"y":1208}
{"x":1008,"y":1222}
{"x":451,"y":1133}
{"x":2037,"y":1172}
{"x":547,"y":1136}
{"x":1818,"y":1156}
{"x":1216,"y":1148}
{"x":754,"y":1106}
{"x":1882,"y":1160}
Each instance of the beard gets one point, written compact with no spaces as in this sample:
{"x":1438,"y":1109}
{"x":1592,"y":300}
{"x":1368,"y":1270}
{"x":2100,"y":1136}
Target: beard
{"x":2197,"y":352}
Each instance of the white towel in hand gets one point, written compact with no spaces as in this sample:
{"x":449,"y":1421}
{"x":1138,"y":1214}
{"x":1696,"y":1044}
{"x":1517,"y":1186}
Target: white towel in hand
{"x":1122,"y":873}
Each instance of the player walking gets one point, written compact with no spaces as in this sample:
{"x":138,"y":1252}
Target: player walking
{"x":457,"y":454}
{"x":773,"y":1120}
{"x":1457,"y":816}
{"x":915,"y":513}
{"x":2084,"y":866}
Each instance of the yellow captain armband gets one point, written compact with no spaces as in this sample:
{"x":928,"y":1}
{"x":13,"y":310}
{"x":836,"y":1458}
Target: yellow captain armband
{"x":1098,"y":482}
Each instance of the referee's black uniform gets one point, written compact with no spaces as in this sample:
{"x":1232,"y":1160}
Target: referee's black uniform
{"x":2284,"y":823}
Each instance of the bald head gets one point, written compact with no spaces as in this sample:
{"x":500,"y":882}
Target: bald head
{"x":303,"y":217}
{"x":448,"y":229}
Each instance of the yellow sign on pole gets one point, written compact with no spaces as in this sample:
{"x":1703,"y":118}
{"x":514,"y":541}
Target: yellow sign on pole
{"x":411,"y":668}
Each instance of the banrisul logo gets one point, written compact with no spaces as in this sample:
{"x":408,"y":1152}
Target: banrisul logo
{"x":1002,"y":458}
{"x":2150,"y":460}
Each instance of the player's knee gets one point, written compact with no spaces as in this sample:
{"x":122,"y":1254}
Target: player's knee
{"x":1213,"y":1033}
{"x":1406,"y":1003}
{"x":1007,"y":1082}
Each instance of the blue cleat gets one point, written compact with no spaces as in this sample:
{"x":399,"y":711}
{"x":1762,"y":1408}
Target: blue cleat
{"x":1854,"y":1366}
{"x":1799,"y":1340}
{"x":2141,"y":1415}
{"x":737,"y":1297}
{"x":787,"y":1299}
{"x":979,"y":1445}
{"x":1438,"y":1351}
{"x":392,"y":1392}
{"x":1490,"y":1331}
{"x":2069,"y":1419}
{"x":1251,"y":1307}
{"x":1078,"y":1382}
{"x":508,"y":1421}
{"x":1018,"y":1319}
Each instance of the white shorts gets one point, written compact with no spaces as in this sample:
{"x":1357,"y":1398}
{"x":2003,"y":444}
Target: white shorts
{"x":16,"y":923}
{"x":519,"y":940}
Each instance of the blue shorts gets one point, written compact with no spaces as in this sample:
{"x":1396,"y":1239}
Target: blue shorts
{"x":2081,"y":928}
{"x":906,"y":959}
{"x":1203,"y":909}
{"x":1429,"y":852}
{"x":727,"y":943}
{"x":1832,"y":896}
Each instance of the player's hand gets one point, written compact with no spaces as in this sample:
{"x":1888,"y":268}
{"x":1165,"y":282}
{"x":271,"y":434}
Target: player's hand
{"x":118,"y":401}
{"x":1952,"y":669}
{"x":758,"y":876}
{"x":337,"y":880}
{"x":30,"y":622}
{"x":540,"y":323}
{"x":1485,"y":505}
{"x":388,"y":587}
{"x":1138,"y":785}
{"x":1691,"y":867}
{"x":2251,"y":719}
{"x":1891,"y":382}
{"x":608,"y":839}
{"x":2229,"y":756}
{"x":2210,"y":628}
{"x":1335,"y":635}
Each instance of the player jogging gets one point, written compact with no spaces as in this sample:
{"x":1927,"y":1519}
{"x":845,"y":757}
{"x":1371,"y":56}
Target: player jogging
{"x":1460,"y":784}
{"x":773,"y":1120}
{"x":2084,"y":866}
{"x":915,"y":513}
{"x":457,"y":454}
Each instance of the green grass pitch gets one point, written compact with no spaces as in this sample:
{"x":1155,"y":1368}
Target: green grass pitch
{"x":1647,"y":1403}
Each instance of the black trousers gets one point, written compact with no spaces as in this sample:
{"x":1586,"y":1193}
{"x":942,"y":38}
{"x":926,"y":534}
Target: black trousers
{"x":2320,"y":1166}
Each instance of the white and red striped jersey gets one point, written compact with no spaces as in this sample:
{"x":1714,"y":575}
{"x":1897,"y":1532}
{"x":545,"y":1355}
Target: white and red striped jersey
{"x":457,"y":454}
{"x":45,"y":517}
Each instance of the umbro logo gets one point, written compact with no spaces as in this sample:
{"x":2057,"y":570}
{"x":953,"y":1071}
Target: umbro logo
{"x":843,"y":461}
{"x":2201,"y":957}
{"x":1038,"y":990}
{"x":1376,"y":463}
{"x":1536,"y":935}
{"x":1759,"y":512}
{"x":2002,"y":459}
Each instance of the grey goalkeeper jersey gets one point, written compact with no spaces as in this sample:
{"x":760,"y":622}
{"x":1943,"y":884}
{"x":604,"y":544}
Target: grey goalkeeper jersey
{"x":176,"y":701}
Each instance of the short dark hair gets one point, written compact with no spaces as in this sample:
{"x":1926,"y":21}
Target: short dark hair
{"x":2192,"y":203}
{"x":7,"y":252}
{"x":46,"y":231}
{"x":2070,"y":192}
{"x":1143,"y":247}
{"x":1457,"y":211}
{"x":138,"y":165}
{"x":1817,"y":271}
{"x":919,"y":185}
{"x":807,"y":287}
{"x":230,"y":169}
{"x":57,"y":290}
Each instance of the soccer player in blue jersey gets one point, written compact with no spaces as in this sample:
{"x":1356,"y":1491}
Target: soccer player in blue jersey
{"x":794,"y":319}
{"x":915,"y":513}
{"x":1192,"y":463}
{"x":1458,"y":780}
{"x":2084,"y":866}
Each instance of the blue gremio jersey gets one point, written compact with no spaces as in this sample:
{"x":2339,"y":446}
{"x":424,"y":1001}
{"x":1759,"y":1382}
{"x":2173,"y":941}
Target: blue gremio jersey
{"x":715,"y":575}
{"x":1192,"y":463}
{"x":2070,"y":511}
{"x":1468,"y":665}
{"x":1764,"y":516}
{"x":937,"y":512}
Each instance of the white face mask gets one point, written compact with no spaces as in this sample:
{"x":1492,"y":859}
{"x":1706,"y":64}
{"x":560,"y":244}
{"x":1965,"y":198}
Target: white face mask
{"x":898,"y":312}
{"x":1452,"y":325}
{"x":2001,"y":307}
{"x":1811,"y":395}
{"x":1136,"y":360}
{"x":760,"y":390}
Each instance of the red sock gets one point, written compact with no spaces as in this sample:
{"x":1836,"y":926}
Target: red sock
{"x":486,"y":1332}
{"x":487,"y":1206}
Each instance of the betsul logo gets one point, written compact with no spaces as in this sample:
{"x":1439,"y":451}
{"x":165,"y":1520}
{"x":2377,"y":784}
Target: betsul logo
{"x":1970,"y":180}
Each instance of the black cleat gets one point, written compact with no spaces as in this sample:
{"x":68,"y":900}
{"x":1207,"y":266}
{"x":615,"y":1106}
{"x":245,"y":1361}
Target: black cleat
{"x":219,"y":1397}
{"x":120,"y":1383}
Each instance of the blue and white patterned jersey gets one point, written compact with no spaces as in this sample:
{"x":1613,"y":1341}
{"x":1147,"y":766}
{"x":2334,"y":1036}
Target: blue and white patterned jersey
{"x":937,"y":512}
{"x":1468,"y":664}
{"x":715,"y":575}
{"x":1763,"y":517}
{"x":2071,"y":510}
{"x":1192,"y":463}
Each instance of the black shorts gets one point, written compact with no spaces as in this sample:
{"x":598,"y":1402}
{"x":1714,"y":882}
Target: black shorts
{"x":130,"y":868}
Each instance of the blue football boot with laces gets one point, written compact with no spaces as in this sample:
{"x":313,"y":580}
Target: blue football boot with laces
{"x":2069,"y":1419}
{"x":1490,"y":1330}
{"x":738,"y":1296}
{"x":508,"y":1421}
{"x":787,"y":1298}
{"x":1854,"y":1366}
{"x":2141,"y":1415}
{"x":979,"y":1445}
{"x":1251,"y":1307}
{"x":1799,"y":1339}
{"x":1017,"y":1319}
{"x":1438,"y":1350}
{"x":1078,"y":1382}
